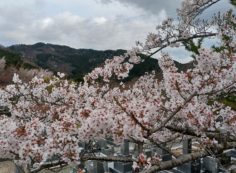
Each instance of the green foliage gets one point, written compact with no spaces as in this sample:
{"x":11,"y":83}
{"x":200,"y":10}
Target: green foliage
{"x":148,"y":65}
{"x":74,"y":62}
{"x":42,"y":60}
{"x":14,"y":59}
{"x":219,"y":48}
{"x":192,"y":46}
{"x":233,"y":2}
{"x":11,"y":58}
{"x":83,"y":61}
{"x":49,"y":89}
{"x":78,"y":77}
{"x":27,"y":66}
{"x":229,"y":101}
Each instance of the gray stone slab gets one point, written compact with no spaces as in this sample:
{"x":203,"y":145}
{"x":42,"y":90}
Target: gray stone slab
{"x":102,"y":143}
{"x":113,"y":170}
{"x":187,"y":146}
{"x":108,"y":151}
{"x":123,"y":167}
{"x":186,"y":168}
{"x":125,"y":147}
{"x":191,"y":167}
{"x":210,"y":164}
{"x":165,"y":155}
{"x":196,"y":166}
{"x":148,"y":152}
{"x":98,"y":167}
{"x":231,"y":153}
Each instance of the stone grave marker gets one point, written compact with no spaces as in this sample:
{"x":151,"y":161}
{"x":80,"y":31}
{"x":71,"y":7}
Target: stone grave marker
{"x":192,"y":166}
{"x":210,"y":164}
{"x":120,"y":167}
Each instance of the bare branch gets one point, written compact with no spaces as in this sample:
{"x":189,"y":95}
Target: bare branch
{"x":49,"y":165}
{"x":131,"y":115}
{"x":108,"y":158}
{"x":182,"y":40}
{"x":162,"y":147}
{"x":184,"y":159}
{"x":173,"y":113}
{"x":173,"y":163}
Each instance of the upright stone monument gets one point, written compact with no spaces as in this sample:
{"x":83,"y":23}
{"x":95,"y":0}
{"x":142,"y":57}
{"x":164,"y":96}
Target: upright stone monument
{"x":165,"y":155}
{"x":98,"y":167}
{"x":210,"y":164}
{"x":192,"y":166}
{"x":123,"y":167}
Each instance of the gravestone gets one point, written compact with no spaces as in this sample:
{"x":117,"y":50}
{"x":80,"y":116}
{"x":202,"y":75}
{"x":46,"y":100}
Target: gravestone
{"x":210,"y":164}
{"x":192,"y":166}
{"x":165,"y":155}
{"x":4,"y":110}
{"x":108,"y":151}
{"x":196,"y":166}
{"x":125,"y":148}
{"x":148,"y":152}
{"x":102,"y":143}
{"x":120,"y":167}
{"x":98,"y":167}
{"x":231,"y":153}
{"x":187,"y":146}
{"x":46,"y":171}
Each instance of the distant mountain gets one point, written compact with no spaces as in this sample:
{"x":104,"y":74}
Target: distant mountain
{"x":10,"y":63}
{"x":74,"y":62}
{"x":14,"y":59}
{"x":78,"y":62}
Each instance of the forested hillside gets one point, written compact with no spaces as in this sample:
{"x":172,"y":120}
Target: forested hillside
{"x":78,"y":62}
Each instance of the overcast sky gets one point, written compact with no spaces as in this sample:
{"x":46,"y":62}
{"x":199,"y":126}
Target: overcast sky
{"x":96,"y":24}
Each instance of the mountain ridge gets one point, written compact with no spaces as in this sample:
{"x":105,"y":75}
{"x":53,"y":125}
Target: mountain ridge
{"x":78,"y":62}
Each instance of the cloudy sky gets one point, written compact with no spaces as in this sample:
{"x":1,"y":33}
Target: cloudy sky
{"x":96,"y":24}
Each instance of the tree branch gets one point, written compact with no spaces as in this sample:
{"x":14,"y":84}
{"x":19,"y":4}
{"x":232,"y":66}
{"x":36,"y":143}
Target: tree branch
{"x":131,"y":115}
{"x":108,"y":158}
{"x":185,"y":158}
{"x":182,"y":40}
{"x":173,"y":113}
{"x":191,"y":132}
{"x":49,"y":165}
{"x":177,"y":162}
{"x":162,"y":147}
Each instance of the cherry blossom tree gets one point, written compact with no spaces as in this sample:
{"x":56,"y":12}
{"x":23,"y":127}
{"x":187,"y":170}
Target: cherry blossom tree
{"x":49,"y":116}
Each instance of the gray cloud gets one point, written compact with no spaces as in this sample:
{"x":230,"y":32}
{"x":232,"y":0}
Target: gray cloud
{"x":151,"y":6}
{"x":31,"y":21}
{"x":76,"y":31}
{"x":170,"y":6}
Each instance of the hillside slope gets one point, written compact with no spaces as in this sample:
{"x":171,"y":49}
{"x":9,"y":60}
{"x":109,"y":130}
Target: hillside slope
{"x":78,"y":62}
{"x":12,"y":62}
